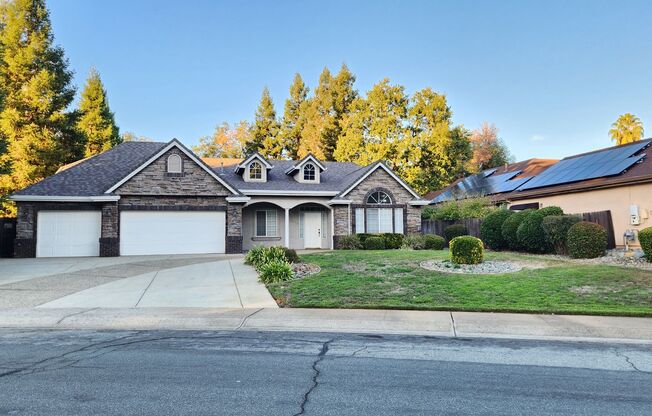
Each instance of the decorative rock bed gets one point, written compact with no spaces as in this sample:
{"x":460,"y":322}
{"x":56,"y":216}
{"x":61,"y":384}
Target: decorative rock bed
{"x":486,"y":267}
{"x":304,"y":269}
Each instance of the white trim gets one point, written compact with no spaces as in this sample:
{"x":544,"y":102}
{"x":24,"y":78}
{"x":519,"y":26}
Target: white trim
{"x":419,"y":202}
{"x":173,"y":143}
{"x":389,"y":171}
{"x":237,"y":199}
{"x":303,"y":162}
{"x":340,"y":202}
{"x":332,"y":229}
{"x":287,"y":193}
{"x":244,"y":163}
{"x":46,"y":198}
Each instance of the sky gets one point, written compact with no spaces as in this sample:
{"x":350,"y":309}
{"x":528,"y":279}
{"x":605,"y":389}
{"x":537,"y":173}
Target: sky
{"x":552,"y":75}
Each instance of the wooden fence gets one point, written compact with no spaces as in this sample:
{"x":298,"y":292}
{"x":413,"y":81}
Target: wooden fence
{"x":473,"y":225}
{"x":7,"y":236}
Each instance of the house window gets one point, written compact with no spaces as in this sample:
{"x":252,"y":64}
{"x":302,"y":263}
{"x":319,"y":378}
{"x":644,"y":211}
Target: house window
{"x":309,"y":172}
{"x":379,"y":220}
{"x":255,"y":171}
{"x":379,"y":197}
{"x":266,"y":223}
{"x":174,"y":164}
{"x":359,"y":220}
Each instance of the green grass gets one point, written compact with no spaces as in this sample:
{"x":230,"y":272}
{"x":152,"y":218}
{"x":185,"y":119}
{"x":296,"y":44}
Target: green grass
{"x":393,"y":279}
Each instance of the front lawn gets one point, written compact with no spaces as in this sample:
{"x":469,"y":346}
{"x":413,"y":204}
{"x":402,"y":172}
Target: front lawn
{"x":393,"y":279}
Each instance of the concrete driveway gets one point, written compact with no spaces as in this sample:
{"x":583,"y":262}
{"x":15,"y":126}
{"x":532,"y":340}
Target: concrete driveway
{"x":215,"y":281}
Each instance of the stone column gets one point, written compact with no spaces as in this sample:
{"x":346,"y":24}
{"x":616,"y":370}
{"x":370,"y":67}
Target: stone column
{"x":25,"y":243}
{"x":110,"y":237}
{"x":233,"y":228}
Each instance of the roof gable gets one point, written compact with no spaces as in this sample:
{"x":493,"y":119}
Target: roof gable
{"x":371,"y":169}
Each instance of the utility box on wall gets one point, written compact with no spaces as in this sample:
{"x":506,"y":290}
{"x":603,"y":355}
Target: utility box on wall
{"x":634,"y":215}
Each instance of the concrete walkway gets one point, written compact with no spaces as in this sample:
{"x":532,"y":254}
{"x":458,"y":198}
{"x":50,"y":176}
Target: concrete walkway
{"x":430,"y":323}
{"x":219,"y":284}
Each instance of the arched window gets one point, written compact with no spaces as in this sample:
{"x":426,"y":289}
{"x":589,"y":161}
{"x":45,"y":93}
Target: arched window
{"x":379,"y":197}
{"x":174,"y":164}
{"x":309,"y":172}
{"x":255,"y":171}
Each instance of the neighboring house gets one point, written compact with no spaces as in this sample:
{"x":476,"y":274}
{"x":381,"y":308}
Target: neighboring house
{"x":616,"y":179}
{"x":160,"y":198}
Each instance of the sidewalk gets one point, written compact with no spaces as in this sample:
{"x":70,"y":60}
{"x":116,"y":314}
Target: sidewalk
{"x":429,"y":323}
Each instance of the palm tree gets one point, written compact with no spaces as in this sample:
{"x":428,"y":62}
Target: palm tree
{"x":627,"y":129}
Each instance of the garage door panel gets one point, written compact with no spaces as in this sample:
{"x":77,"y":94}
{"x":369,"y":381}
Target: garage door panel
{"x":68,"y":233}
{"x":171,"y":232}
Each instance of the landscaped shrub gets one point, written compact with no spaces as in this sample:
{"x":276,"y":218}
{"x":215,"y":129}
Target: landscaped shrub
{"x":414,"y":242}
{"x":434,"y":242}
{"x":393,"y":241}
{"x":256,"y":256}
{"x":455,"y":230}
{"x":510,"y":226}
{"x":586,"y":240}
{"x":466,"y":250}
{"x":363,"y":237}
{"x":645,"y":238}
{"x":276,"y":271}
{"x":530,"y":233}
{"x":556,"y":229}
{"x":291,"y":255}
{"x":273,"y":254}
{"x":374,"y":243}
{"x":491,"y":229}
{"x":459,"y":210}
{"x":349,"y":242}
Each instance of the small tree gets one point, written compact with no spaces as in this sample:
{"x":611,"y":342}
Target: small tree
{"x":626,"y":129}
{"x":489,"y":151}
{"x":96,"y":121}
{"x":265,"y":130}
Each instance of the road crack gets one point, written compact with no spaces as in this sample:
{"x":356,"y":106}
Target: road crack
{"x":629,"y":361}
{"x":315,"y":376}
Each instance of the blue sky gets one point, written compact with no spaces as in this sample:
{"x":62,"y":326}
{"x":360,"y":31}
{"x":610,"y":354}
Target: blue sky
{"x":552,"y":75}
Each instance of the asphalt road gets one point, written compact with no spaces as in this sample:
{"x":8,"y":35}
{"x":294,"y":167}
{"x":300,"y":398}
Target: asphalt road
{"x":254,"y":373}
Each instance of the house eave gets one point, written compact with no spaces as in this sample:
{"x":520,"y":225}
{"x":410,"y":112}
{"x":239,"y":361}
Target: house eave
{"x":59,"y":198}
{"x":258,"y":192}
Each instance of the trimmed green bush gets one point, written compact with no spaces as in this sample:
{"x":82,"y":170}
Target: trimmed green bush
{"x":556,"y":227}
{"x":349,"y":242}
{"x":586,"y":240}
{"x":455,"y":230}
{"x":433,"y":242}
{"x":291,"y":255}
{"x":645,"y":238}
{"x":510,"y":226}
{"x":363,"y":237}
{"x":459,"y":210}
{"x":393,"y":241}
{"x":374,"y":243}
{"x":491,"y":229}
{"x":414,"y":242}
{"x":466,"y":250}
{"x":530,"y":233}
{"x":276,"y":271}
{"x":256,"y":256}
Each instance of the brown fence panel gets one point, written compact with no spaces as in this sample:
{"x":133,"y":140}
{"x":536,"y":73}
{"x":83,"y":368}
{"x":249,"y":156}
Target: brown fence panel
{"x":437,"y":226}
{"x":7,"y":236}
{"x":604,"y":219}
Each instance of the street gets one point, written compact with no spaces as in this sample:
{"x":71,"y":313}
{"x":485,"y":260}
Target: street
{"x":73,"y":372}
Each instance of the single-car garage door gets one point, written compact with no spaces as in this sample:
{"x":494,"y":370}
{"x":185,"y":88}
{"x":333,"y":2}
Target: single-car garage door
{"x":68,"y":233}
{"x":171,"y":232}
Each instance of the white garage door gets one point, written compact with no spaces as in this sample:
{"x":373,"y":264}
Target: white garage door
{"x":171,"y":232}
{"x":68,"y":233}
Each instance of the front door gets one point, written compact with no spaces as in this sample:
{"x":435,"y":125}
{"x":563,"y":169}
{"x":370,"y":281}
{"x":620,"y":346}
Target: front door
{"x":312,"y":230}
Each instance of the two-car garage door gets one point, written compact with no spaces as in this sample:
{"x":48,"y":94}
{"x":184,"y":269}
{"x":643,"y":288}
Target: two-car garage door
{"x":77,"y":233}
{"x":171,"y":232}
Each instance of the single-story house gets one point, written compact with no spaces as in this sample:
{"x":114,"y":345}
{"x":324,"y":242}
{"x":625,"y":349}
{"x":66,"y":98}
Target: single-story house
{"x":616,"y":179}
{"x":160,"y":198}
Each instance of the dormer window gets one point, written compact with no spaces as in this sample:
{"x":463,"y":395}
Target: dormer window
{"x":175,"y":164}
{"x":255,"y":171}
{"x":309,"y":172}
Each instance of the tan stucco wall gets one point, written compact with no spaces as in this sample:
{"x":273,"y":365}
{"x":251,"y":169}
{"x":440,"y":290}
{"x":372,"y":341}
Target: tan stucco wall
{"x":616,"y":200}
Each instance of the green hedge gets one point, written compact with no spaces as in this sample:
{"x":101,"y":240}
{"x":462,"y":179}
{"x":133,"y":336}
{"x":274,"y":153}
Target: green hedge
{"x":455,"y":230}
{"x":466,"y":250}
{"x":374,"y":243}
{"x":491,"y":229}
{"x":586,"y":240}
{"x":530,"y":232}
{"x":645,"y":238}
{"x":510,"y":227}
{"x":392,"y":241}
{"x":433,"y":242}
{"x":414,"y":242}
{"x":349,"y":242}
{"x":556,"y":227}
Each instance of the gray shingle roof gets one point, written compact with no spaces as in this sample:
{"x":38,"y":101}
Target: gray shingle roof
{"x":95,"y":175}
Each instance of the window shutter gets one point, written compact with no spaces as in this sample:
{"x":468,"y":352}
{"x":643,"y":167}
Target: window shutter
{"x":385,"y":220}
{"x":398,"y":220}
{"x":359,"y":220}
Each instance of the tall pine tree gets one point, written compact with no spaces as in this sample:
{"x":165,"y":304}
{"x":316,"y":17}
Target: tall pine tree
{"x":96,"y":121}
{"x":343,"y":95}
{"x":265,"y":130}
{"x":40,"y":133}
{"x":319,"y":117}
{"x":293,"y":117}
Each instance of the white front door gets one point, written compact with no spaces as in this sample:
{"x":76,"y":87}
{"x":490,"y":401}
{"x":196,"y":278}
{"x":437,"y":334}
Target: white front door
{"x":68,"y":233}
{"x":172,"y":232}
{"x":312,"y":230}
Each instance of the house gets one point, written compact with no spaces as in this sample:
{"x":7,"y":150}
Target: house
{"x":160,"y":198}
{"x":616,"y":179}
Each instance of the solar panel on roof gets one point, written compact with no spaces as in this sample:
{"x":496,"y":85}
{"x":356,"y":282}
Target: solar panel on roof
{"x":608,"y":162}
